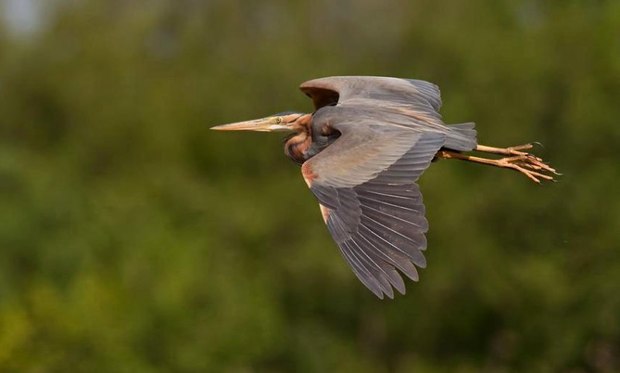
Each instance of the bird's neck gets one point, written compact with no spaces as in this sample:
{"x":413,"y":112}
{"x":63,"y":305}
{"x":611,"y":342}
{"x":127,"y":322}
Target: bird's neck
{"x":307,"y":143}
{"x":299,"y":146}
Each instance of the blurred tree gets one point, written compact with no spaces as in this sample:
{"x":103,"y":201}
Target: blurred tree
{"x":133,"y":239}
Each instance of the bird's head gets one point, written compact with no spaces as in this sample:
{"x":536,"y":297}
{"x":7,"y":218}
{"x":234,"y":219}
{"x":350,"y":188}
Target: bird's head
{"x":287,"y":121}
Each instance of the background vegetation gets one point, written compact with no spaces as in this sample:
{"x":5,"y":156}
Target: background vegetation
{"x":132,"y":239}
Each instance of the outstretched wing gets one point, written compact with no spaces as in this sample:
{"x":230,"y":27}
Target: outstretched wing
{"x":415,"y":94}
{"x":408,"y":102}
{"x":365,"y":184}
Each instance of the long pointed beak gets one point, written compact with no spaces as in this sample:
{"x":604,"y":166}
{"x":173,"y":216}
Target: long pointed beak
{"x":268,"y":124}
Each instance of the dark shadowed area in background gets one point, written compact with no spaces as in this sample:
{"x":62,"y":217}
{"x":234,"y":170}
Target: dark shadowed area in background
{"x":133,"y":239}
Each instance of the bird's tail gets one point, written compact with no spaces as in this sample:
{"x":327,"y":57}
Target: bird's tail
{"x":462,"y":137}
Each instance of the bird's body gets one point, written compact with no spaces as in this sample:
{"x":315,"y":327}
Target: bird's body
{"x":361,"y":153}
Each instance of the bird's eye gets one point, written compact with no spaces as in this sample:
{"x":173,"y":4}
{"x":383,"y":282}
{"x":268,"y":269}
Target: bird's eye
{"x":278,"y":120}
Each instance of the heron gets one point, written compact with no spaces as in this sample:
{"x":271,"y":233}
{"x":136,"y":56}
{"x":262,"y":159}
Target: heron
{"x":361,"y":153}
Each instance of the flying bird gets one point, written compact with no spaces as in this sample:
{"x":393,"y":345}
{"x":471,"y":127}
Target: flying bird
{"x":361,"y":152}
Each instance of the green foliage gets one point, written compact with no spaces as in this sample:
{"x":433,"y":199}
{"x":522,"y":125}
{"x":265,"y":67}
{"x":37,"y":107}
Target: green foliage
{"x":132,"y":239}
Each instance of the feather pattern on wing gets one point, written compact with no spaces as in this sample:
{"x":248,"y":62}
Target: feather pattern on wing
{"x":407,"y":102}
{"x":365,"y":180}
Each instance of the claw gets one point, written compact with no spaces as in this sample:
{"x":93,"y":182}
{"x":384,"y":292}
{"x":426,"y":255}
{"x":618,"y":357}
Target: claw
{"x":529,"y":165}
{"x":533,"y":175}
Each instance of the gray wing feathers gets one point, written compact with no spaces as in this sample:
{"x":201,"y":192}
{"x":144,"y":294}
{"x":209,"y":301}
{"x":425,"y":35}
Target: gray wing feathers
{"x":429,"y":91}
{"x":376,"y":236}
{"x":377,"y":88}
{"x":365,"y":180}
{"x":360,"y":153}
{"x":379,"y":224}
{"x":405,"y":102}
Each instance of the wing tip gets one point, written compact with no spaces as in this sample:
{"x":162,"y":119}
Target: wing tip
{"x":381,"y":291}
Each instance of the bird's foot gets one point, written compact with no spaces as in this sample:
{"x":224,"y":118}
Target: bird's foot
{"x":520,"y":160}
{"x":531,"y":166}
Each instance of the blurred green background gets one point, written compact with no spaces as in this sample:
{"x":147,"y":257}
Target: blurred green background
{"x":133,"y":239}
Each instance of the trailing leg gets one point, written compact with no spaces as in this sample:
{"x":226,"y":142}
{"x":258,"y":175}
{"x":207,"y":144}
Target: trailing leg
{"x":516,"y":158}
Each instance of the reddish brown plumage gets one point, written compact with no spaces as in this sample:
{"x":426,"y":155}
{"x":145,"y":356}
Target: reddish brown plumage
{"x":308,"y":174}
{"x":296,"y":146}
